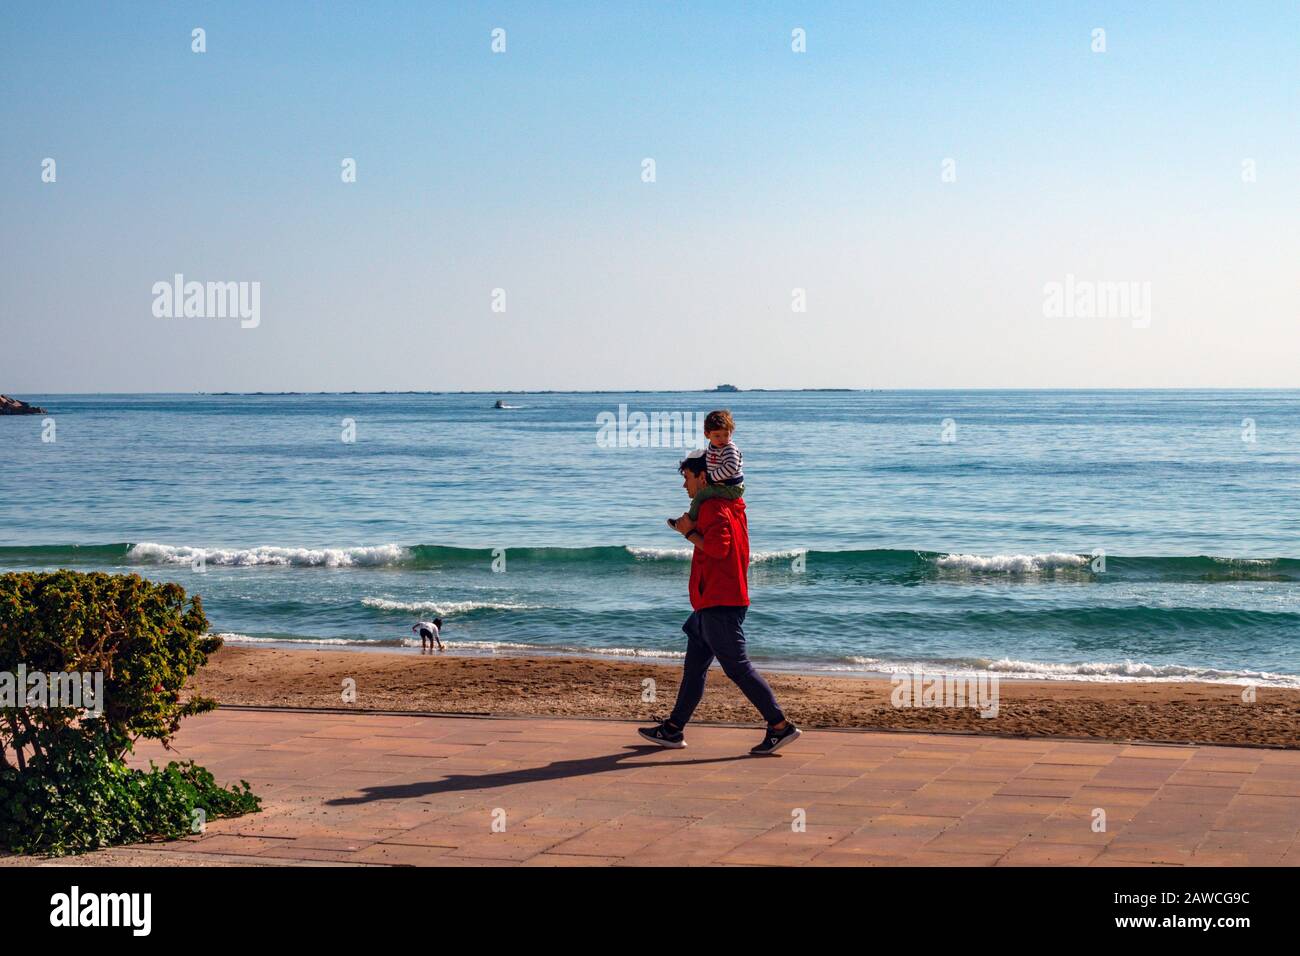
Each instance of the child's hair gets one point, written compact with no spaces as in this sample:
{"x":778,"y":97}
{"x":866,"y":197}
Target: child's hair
{"x":719,"y":419}
{"x":437,"y":621}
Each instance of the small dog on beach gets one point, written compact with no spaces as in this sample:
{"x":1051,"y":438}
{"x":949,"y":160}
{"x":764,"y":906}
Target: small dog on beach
{"x":430,"y":633}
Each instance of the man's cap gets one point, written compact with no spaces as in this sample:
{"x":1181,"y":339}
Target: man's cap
{"x":692,"y":457}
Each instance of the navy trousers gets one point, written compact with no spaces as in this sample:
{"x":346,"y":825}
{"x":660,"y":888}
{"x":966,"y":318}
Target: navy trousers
{"x":719,"y":632}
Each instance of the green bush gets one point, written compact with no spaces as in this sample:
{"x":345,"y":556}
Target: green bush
{"x":64,"y":783}
{"x":80,"y":798}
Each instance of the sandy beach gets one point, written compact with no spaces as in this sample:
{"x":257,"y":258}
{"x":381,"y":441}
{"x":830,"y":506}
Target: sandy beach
{"x":569,"y":687}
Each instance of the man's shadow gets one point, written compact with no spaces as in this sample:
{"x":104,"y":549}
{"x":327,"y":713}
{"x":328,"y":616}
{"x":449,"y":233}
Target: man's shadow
{"x":557,"y":770}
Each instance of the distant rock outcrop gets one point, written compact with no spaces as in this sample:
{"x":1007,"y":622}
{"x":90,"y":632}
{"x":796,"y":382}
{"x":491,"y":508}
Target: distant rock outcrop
{"x":11,"y":406}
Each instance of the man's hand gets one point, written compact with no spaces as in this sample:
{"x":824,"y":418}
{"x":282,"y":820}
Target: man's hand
{"x":684,"y":524}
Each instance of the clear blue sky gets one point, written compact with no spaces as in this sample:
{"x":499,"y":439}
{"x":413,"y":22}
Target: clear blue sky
{"x":522,"y":171}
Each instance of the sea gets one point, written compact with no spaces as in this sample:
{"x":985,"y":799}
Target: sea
{"x":1095,"y":535}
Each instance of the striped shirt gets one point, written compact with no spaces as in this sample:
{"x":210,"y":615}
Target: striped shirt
{"x":725,"y":465}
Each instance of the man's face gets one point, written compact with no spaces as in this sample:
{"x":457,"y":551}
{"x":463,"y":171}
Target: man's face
{"x":693,"y":482}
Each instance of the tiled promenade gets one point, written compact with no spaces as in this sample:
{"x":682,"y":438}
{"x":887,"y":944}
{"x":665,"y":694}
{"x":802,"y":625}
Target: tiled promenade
{"x":370,"y":789}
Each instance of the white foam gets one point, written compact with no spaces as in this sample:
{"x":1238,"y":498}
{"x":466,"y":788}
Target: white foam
{"x":632,"y":652}
{"x":787,"y":554}
{"x":1125,"y":671}
{"x":684,"y":554}
{"x":1011,"y":563}
{"x":376,"y":556}
{"x":231,"y":638}
{"x":480,"y":647}
{"x":445,"y":608}
{"x":561,"y":650}
{"x":661,"y":554}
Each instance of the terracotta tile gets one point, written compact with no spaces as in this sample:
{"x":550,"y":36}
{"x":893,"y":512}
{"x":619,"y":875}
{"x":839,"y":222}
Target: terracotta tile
{"x":560,"y":859}
{"x":929,"y":857}
{"x":1157,"y":752}
{"x":959,"y":789}
{"x":1075,"y":826}
{"x":1076,"y":758}
{"x":782,"y":846}
{"x":1050,"y":854}
{"x":809,"y":783}
{"x":1209,"y":796}
{"x":621,"y":837}
{"x":1037,"y":806}
{"x":236,"y":845}
{"x":1035,"y":787}
{"x":856,"y":794}
{"x":850,"y":858}
{"x":841,"y":814}
{"x":1110,"y":797}
{"x":695,"y":845}
{"x":1258,"y":787}
{"x":303,"y":853}
{"x":358,"y":789}
{"x":1207,"y":778}
{"x":1061,"y":771}
{"x":979,"y":840}
{"x":925,"y":806}
{"x":979,"y":773}
{"x":1253,"y":849}
{"x":510,"y":845}
{"x":435,"y":834}
{"x":1137,"y":854}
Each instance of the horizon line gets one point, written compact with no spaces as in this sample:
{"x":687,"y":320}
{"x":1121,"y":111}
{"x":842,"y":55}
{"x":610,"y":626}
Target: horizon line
{"x":701,"y":391}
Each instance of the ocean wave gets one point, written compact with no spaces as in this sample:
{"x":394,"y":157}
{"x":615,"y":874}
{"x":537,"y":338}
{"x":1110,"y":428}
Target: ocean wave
{"x":376,"y":556}
{"x":1011,"y":563}
{"x":660,"y":554}
{"x":684,"y":554}
{"x":445,"y":608}
{"x":515,"y":648}
{"x":293,"y":640}
{"x":1093,"y":671}
{"x":882,"y":564}
{"x":562,"y":650}
{"x":1124,"y":671}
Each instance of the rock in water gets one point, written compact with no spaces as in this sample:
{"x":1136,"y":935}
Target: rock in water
{"x":11,"y":406}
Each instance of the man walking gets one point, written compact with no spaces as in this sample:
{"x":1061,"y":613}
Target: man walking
{"x":719,"y":589}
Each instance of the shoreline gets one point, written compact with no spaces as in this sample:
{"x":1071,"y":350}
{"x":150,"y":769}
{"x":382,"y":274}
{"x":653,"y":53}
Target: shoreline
{"x":501,"y":685}
{"x":674,"y":658}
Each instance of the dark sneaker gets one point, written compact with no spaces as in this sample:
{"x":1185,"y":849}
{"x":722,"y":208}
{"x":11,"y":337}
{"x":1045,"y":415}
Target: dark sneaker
{"x":664,"y":736}
{"x":672,"y":523}
{"x":776,"y":739}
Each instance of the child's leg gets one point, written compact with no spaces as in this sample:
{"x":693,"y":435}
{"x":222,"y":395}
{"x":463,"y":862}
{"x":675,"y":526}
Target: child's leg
{"x":701,"y":496}
{"x":731,"y":492}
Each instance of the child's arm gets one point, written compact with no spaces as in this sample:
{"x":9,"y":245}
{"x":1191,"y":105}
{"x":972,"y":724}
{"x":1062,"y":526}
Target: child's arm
{"x":725,"y":463}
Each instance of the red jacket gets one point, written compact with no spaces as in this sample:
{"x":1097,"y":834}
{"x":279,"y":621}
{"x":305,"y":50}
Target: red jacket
{"x":720,"y":565}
